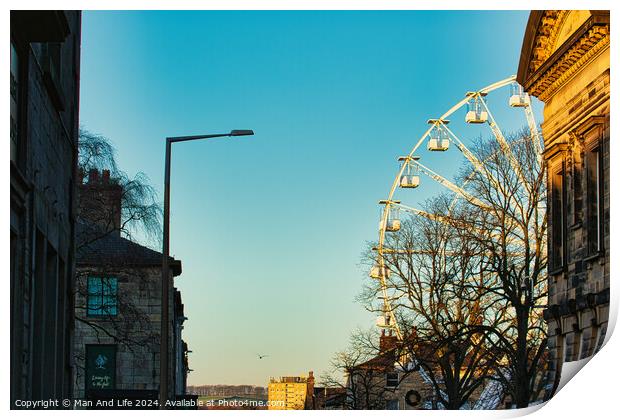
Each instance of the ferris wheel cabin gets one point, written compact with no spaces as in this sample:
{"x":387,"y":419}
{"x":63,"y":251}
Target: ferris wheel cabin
{"x":392,"y":224}
{"x":377,"y":271}
{"x":385,"y":321}
{"x":439,"y":140}
{"x":409,"y":177}
{"x":476,"y":110}
{"x":518,"y":98}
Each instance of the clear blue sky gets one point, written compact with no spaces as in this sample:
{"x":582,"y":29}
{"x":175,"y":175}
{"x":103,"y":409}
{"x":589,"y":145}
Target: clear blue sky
{"x":270,"y":228}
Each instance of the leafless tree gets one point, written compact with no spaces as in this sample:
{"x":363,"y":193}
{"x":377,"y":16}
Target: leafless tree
{"x":468,"y":284}
{"x":99,"y":219}
{"x":512,"y":230}
{"x":435,"y":281}
{"x":361,"y":371}
{"x":140,"y":210}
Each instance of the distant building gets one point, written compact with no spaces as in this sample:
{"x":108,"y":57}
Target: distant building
{"x":379,"y":384}
{"x":118,"y":305}
{"x":329,"y":398}
{"x":565,"y":63}
{"x":250,"y":391}
{"x":382,"y":383}
{"x":44,"y":98}
{"x":291,"y":392}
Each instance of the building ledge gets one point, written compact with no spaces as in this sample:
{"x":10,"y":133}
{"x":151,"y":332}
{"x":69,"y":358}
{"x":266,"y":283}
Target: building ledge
{"x":40,"y":25}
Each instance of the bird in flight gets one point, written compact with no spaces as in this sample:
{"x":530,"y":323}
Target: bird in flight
{"x":260,"y":356}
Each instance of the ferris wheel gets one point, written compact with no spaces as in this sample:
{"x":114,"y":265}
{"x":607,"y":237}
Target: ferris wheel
{"x":439,"y":138}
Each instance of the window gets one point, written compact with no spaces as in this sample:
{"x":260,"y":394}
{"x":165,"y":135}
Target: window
{"x":50,"y":56}
{"x":391,"y":405}
{"x":15,"y":86}
{"x":577,"y":190}
{"x":391,"y":379}
{"x":102,"y":296}
{"x":593,"y":185}
{"x":557,"y":219}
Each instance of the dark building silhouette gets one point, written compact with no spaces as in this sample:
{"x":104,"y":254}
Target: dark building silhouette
{"x":45,"y":80}
{"x":100,"y":202}
{"x":179,"y":348}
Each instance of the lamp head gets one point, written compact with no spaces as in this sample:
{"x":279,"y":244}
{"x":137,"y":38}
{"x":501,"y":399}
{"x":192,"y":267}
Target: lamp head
{"x":235,"y":133}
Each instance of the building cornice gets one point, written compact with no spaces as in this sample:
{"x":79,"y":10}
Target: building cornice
{"x":543,"y":70}
{"x":555,"y":148}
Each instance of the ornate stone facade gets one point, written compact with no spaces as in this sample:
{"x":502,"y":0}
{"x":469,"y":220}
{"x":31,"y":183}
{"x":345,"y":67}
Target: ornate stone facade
{"x":565,"y":63}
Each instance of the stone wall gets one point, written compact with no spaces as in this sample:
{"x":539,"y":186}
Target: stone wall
{"x":135,"y":330}
{"x":44,"y":133}
{"x":565,"y":62}
{"x":411,"y":381}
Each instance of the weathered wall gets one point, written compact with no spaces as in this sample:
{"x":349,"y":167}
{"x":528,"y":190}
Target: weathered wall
{"x":44,"y":133}
{"x":137,"y":326}
{"x":565,"y":63}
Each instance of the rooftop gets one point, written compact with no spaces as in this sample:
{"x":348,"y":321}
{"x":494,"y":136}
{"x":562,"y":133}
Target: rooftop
{"x":99,"y":249}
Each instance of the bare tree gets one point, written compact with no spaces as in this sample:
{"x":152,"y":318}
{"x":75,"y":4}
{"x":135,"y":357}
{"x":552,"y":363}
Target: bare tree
{"x":110,"y":204}
{"x":511,"y":230}
{"x":361,"y":371}
{"x":468,"y":281}
{"x":140,"y":210}
{"x":435,"y":281}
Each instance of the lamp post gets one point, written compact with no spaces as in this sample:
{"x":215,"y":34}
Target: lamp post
{"x":163,"y":350}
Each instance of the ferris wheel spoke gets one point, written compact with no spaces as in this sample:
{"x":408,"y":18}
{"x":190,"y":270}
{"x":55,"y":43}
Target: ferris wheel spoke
{"x":477,"y":164}
{"x":447,"y":253}
{"x":497,"y":85}
{"x":451,"y":186}
{"x":467,"y":153}
{"x":535,"y":134}
{"x":497,"y":132}
{"x":448,"y":220}
{"x":430,"y":216}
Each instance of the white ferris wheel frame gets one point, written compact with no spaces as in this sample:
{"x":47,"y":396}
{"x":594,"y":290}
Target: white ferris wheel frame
{"x":409,"y":159}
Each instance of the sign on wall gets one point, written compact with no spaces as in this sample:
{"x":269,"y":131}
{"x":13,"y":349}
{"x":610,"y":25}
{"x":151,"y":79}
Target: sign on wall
{"x":100,"y":366}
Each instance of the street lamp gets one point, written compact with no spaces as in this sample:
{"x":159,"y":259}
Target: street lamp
{"x":163,"y":350}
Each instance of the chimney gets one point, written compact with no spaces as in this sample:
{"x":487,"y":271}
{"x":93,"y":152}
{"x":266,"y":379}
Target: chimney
{"x":100,"y":202}
{"x":387,"y":342}
{"x":309,"y":405}
{"x":93,"y":176}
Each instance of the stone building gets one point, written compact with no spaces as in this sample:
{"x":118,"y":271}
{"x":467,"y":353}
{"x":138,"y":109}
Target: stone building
{"x":380,"y":383}
{"x":253,"y":391}
{"x":565,"y":63}
{"x":45,"y":80}
{"x":118,"y":305}
{"x":390,"y":381}
{"x":329,"y":398}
